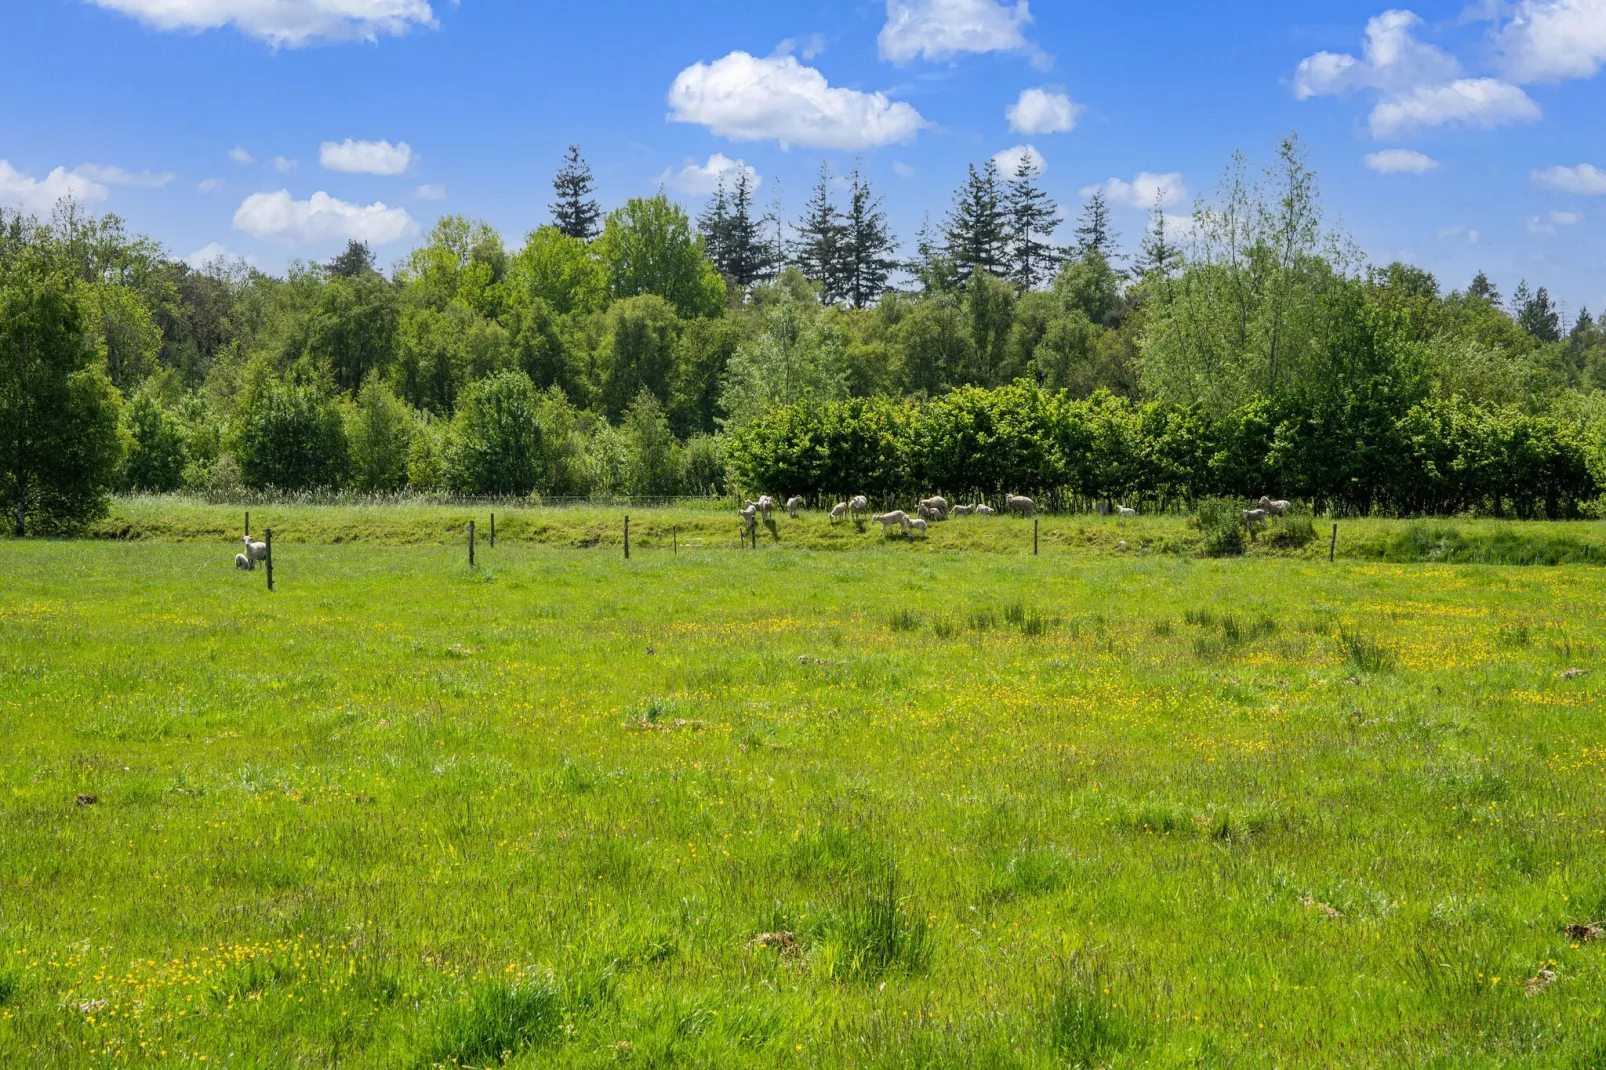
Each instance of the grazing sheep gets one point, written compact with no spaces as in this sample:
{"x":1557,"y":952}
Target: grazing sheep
{"x":1017,"y":503}
{"x":765,"y":505}
{"x":986,"y":510}
{"x":930,"y":513}
{"x":918,"y":525}
{"x":886,"y":520}
{"x":793,"y":504}
{"x":839,"y":511}
{"x":749,"y":516}
{"x":242,"y":562}
{"x":859,"y":506}
{"x":1278,"y":508}
{"x":937,"y":505}
{"x":1127,"y":512}
{"x":962,"y":510}
{"x":1253,"y":517}
{"x":254,"y":551}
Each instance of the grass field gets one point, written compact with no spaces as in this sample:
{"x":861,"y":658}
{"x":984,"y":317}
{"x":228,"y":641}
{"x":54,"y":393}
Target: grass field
{"x":734,"y":808}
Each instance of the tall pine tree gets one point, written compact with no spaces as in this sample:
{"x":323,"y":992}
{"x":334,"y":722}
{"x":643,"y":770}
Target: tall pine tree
{"x":819,"y":249}
{"x":868,"y":245}
{"x":1094,"y":233}
{"x":1033,"y":217}
{"x":746,"y":256}
{"x":978,"y":228}
{"x":1538,"y":316}
{"x":1158,"y":257}
{"x":1482,"y":287}
{"x":575,"y":212}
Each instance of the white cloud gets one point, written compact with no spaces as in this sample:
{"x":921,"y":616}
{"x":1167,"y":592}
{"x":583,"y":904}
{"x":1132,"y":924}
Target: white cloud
{"x":1566,"y":219}
{"x":1585,"y":178}
{"x":116,"y":176}
{"x":1483,"y":102}
{"x":748,"y":99}
{"x":807,"y":47}
{"x":703,"y":179}
{"x":1043,"y":111}
{"x":283,"y":23}
{"x":241,"y":157}
{"x":39,"y":195}
{"x":1549,"y":40}
{"x":942,"y":29}
{"x":1548,"y":224}
{"x":1009,"y":160}
{"x":1471,"y":236}
{"x":209,"y":185}
{"x":212,"y":253}
{"x":320,"y":219}
{"x":902,"y":170}
{"x":283,"y":164}
{"x":366,"y":157}
{"x":1144,"y":191}
{"x":1417,"y":84}
{"x":1400,"y":162}
{"x":430,"y":192}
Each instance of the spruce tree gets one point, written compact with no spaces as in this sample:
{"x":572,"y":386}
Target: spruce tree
{"x":1539,"y":317}
{"x":1157,"y":256}
{"x":1033,"y":217}
{"x":1094,"y":233}
{"x":868,"y":245}
{"x":1585,"y":323}
{"x":747,"y":256}
{"x":575,"y":212}
{"x":357,"y":260}
{"x":932,"y":266}
{"x":1482,"y":287}
{"x":822,"y":235}
{"x":714,"y":225}
{"x":978,"y":229}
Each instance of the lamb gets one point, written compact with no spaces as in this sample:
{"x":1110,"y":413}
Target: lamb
{"x":1127,"y":512}
{"x":937,"y":505}
{"x":986,"y":510}
{"x":887,"y":520}
{"x":793,"y":504}
{"x":1253,"y":517}
{"x":765,"y":505}
{"x":254,"y":551}
{"x":859,"y":506}
{"x":962,"y":510}
{"x":749,"y":516}
{"x":1017,"y":503}
{"x":242,"y":562}
{"x":918,"y":525}
{"x":1279,"y":508}
{"x":840,"y":511}
{"x":930,"y":513}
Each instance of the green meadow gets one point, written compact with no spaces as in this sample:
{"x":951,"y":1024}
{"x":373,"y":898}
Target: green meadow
{"x":938,"y":804}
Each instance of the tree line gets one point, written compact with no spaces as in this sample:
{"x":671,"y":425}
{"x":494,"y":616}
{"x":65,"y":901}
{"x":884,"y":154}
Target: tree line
{"x":641,"y":350}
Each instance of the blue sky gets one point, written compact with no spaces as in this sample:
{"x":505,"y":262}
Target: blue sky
{"x":274,"y":129}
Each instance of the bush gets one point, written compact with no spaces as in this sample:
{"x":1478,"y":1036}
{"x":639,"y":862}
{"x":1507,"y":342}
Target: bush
{"x":156,"y":455}
{"x":290,"y":436}
{"x":1292,"y":531}
{"x":704,"y":456}
{"x":1220,"y":520}
{"x":495,"y":445}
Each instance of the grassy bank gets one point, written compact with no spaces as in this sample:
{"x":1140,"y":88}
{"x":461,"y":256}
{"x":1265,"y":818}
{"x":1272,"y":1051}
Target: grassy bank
{"x":759,"y":809}
{"x":712,"y":527}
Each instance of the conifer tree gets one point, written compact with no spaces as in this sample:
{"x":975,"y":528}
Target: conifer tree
{"x":1157,"y":256}
{"x":978,"y":229}
{"x":868,"y":244}
{"x":748,"y":257}
{"x":1538,"y":316}
{"x":1482,"y":287}
{"x":1093,"y":232}
{"x":822,"y":235}
{"x":1033,"y":218}
{"x":575,"y":212}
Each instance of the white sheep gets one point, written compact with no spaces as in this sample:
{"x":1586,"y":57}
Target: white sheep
{"x":1127,"y":512}
{"x":962,"y":510}
{"x":859,"y":506}
{"x":839,"y":511}
{"x":986,"y":510}
{"x":1253,"y":517}
{"x":918,"y":525}
{"x":931,"y":513}
{"x":242,"y":562}
{"x":887,"y":520}
{"x":749,"y":516}
{"x":254,"y":551}
{"x":1017,"y":503}
{"x":1279,"y":508}
{"x":939,"y":505}
{"x":793,"y":504}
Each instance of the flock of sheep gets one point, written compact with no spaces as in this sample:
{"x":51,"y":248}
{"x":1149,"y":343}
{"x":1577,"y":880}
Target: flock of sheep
{"x":254,"y":552}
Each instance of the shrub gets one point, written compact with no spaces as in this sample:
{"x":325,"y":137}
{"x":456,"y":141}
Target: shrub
{"x":1220,"y":520}
{"x":1292,"y":531}
{"x":290,"y":436}
{"x":495,"y":442}
{"x":704,"y":457}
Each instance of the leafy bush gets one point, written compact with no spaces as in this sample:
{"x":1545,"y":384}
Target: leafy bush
{"x":290,"y":436}
{"x":495,"y":441}
{"x":1220,"y":520}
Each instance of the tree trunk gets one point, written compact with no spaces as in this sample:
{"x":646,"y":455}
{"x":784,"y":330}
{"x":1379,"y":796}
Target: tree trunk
{"x":21,"y":513}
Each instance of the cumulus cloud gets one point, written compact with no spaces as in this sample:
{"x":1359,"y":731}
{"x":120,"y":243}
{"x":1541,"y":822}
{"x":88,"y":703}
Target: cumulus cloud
{"x":1417,"y":85}
{"x":1550,"y":40}
{"x":942,"y":29}
{"x":1009,"y":160}
{"x":241,"y":157}
{"x":283,"y":23}
{"x":213,"y":253}
{"x":1585,"y":178}
{"x":39,"y":195}
{"x":1400,"y":162}
{"x":283,"y":164}
{"x":321,"y":219}
{"x":1145,"y":191}
{"x":704,"y":178}
{"x":1480,"y":102}
{"x":209,"y":185}
{"x":430,"y":192}
{"x":116,"y":176}
{"x":748,"y":99}
{"x":1549,"y":223}
{"x":366,"y":157}
{"x":1043,"y":111}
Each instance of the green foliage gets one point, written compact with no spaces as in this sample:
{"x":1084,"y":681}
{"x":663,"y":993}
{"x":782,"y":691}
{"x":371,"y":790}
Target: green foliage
{"x":495,"y":445}
{"x":798,"y":358}
{"x":1085,"y":1026}
{"x":493,"y":1022}
{"x":379,"y":428}
{"x":561,"y":271}
{"x":1221,"y":522}
{"x":656,"y":467}
{"x":352,"y":329}
{"x":638,"y":352}
{"x":704,"y":457}
{"x":648,"y":247}
{"x":156,"y":456}
{"x":290,"y":435}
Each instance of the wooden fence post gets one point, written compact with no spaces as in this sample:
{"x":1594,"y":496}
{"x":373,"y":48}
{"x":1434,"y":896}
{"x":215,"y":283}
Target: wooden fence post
{"x":1332,"y":547}
{"x":248,"y":522}
{"x":471,"y":544}
{"x":627,"y":536}
{"x":1034,"y":536}
{"x":269,"y":534}
{"x":674,"y":535}
{"x":493,"y":531}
